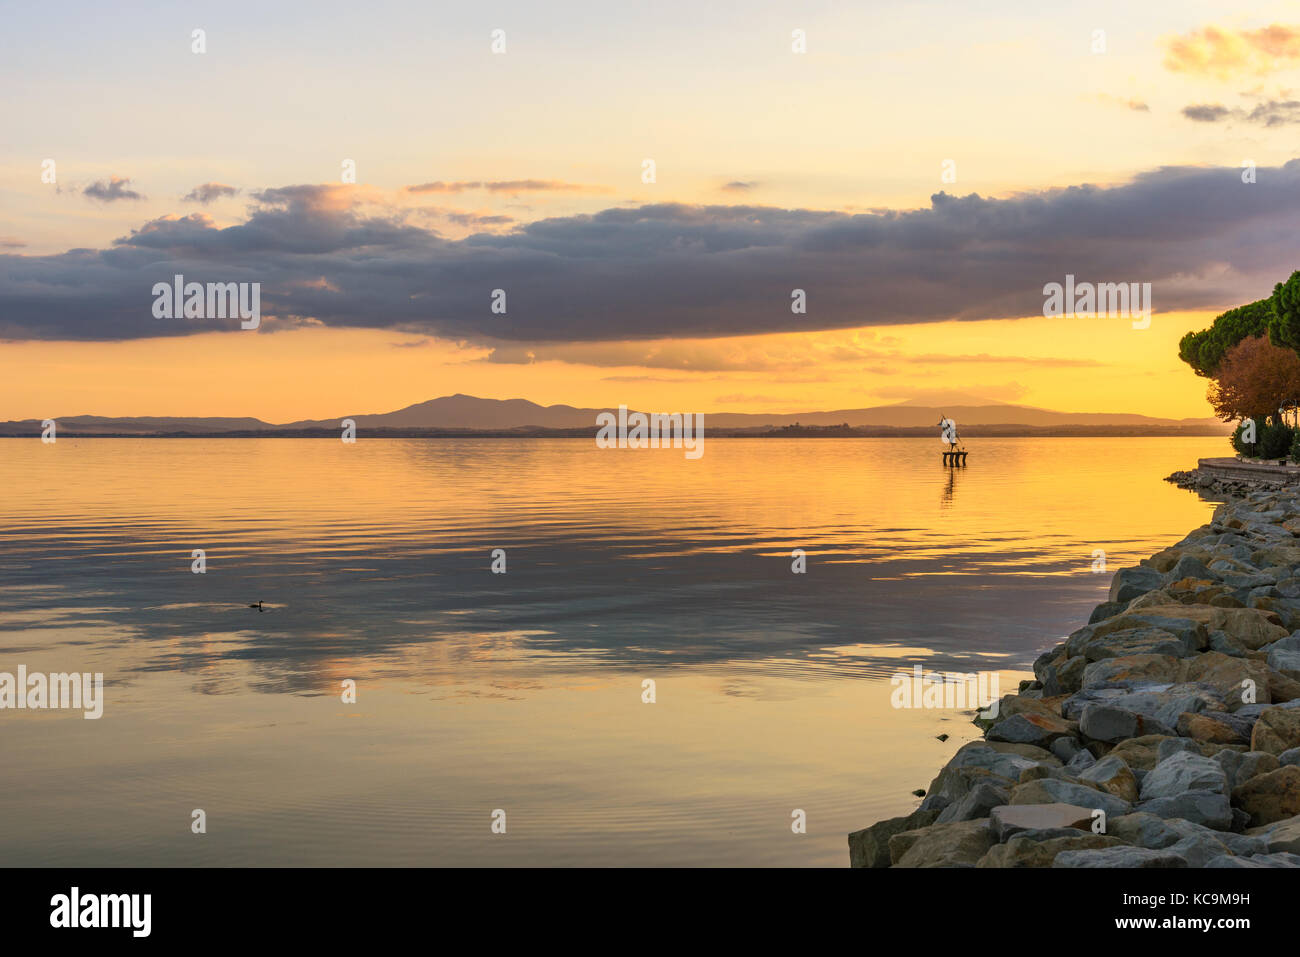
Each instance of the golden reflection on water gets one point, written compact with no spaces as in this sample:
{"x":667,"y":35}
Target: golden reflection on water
{"x":523,"y":691}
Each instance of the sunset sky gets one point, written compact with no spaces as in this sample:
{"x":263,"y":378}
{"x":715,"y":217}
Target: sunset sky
{"x":523,"y":170}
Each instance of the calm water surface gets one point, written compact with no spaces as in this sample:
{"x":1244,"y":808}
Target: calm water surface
{"x":523,"y":691}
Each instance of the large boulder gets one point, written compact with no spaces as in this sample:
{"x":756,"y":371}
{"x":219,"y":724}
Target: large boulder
{"x":1281,"y":835}
{"x":1179,"y":623}
{"x":1206,"y":808}
{"x":1215,"y":726}
{"x":1285,"y":661}
{"x":1270,"y":797}
{"x":1277,"y":730}
{"x":976,"y":804}
{"x":1139,"y":641}
{"x":1052,"y":791}
{"x":1102,"y":722}
{"x":1250,"y":627}
{"x":1141,"y":753}
{"x":869,"y":847}
{"x":1129,"y":583}
{"x":1231,"y":677}
{"x":1184,"y":772}
{"x":1255,"y":860}
{"x":1241,"y":767}
{"x":1032,"y":728}
{"x":1113,"y":776}
{"x":1023,"y":852}
{"x":1133,"y":669}
{"x":1120,"y":856}
{"x":957,"y":844}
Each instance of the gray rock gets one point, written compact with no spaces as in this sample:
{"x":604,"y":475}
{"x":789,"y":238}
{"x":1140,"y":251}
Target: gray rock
{"x":1236,"y":726}
{"x":1207,"y":808}
{"x":1080,"y":762}
{"x":1143,"y":829}
{"x":1107,"y":609}
{"x":1065,"y":748}
{"x":1138,"y":641}
{"x":1067,"y":792}
{"x":1182,"y":772}
{"x":869,"y":847}
{"x":1220,"y":642}
{"x":1289,"y":643}
{"x":1114,"y":776}
{"x":1188,"y":567}
{"x":1119,"y":857}
{"x":1190,"y":631}
{"x":977,"y":803}
{"x":1290,"y":756}
{"x":1028,"y":728}
{"x":1256,"y":860}
{"x":1111,"y":724}
{"x":1129,"y":583}
{"x":1285,"y":661}
{"x":1199,"y":850}
{"x":1170,"y":746}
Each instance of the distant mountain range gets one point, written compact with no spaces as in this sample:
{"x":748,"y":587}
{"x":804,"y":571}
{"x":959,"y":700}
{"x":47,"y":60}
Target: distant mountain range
{"x":467,"y":413}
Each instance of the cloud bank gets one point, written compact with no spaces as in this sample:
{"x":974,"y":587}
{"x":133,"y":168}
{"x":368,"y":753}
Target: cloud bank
{"x":335,"y":255}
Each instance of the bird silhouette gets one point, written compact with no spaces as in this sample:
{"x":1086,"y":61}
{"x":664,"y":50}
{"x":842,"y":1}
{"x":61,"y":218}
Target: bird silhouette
{"x":258,"y":606}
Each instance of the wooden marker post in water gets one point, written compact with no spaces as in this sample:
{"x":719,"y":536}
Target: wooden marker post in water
{"x":956,"y":454}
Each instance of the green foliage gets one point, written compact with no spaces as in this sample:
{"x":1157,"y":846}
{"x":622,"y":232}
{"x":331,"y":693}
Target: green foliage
{"x":1273,"y":440}
{"x":1204,"y":350}
{"x":1284,"y":326}
{"x":1242,"y":448}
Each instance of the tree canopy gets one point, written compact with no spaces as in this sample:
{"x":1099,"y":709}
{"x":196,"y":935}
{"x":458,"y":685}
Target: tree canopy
{"x":1284,"y":327}
{"x":1255,"y":379}
{"x":1204,"y":350}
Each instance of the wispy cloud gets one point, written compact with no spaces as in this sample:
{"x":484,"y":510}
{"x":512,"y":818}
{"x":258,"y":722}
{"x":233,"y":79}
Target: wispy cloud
{"x":1224,"y":53}
{"x":1129,"y":103}
{"x":506,"y":186}
{"x":208,"y":192}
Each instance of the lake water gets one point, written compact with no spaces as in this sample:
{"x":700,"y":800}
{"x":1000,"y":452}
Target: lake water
{"x":523,"y":691}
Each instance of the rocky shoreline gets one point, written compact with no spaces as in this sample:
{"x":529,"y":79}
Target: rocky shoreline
{"x":1164,"y":733}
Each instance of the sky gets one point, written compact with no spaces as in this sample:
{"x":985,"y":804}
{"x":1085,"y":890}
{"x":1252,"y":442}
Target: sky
{"x":920,"y":172}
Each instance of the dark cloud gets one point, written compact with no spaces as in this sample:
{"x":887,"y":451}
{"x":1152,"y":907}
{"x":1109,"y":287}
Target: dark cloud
{"x":114,"y":189}
{"x":1271,"y":113}
{"x":1276,"y":113}
{"x":207,"y":192}
{"x":1207,"y":112}
{"x":332,"y":255}
{"x":739,"y":186}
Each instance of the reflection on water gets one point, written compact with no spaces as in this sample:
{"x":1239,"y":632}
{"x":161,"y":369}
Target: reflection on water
{"x":523,"y":690}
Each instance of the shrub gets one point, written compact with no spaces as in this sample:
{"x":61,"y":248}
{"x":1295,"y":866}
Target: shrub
{"x":1241,"y":447}
{"x":1275,"y":441}
{"x":1272,"y":441}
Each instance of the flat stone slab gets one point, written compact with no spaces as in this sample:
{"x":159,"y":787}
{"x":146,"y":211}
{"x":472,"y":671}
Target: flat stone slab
{"x":1011,"y":819}
{"x":1236,"y":468}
